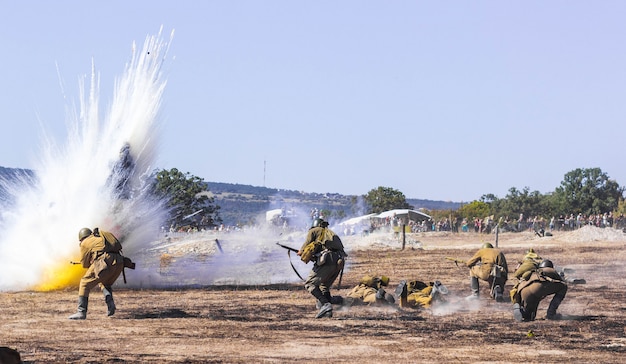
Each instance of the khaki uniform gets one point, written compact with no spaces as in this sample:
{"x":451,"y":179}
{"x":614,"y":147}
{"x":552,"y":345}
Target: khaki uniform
{"x":489,"y":264}
{"x":419,"y":294}
{"x":365,"y":291}
{"x":522,"y":273}
{"x":103,"y":264}
{"x":540,"y":284}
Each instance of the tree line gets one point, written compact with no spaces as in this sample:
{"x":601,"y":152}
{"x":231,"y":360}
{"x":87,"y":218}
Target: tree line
{"x":583,"y":191}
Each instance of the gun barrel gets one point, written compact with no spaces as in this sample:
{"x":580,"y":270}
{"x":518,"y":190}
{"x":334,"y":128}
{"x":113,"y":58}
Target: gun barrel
{"x":287,"y":247}
{"x":455,"y":260}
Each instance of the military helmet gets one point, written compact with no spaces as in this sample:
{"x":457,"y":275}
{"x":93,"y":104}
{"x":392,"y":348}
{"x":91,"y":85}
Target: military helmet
{"x":319,"y":222}
{"x":546,"y":263}
{"x":487,"y":245}
{"x":384,"y":280}
{"x":83,"y":233}
{"x":531,"y":255}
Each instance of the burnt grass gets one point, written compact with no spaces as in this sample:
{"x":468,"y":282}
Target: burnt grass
{"x":275,"y":323}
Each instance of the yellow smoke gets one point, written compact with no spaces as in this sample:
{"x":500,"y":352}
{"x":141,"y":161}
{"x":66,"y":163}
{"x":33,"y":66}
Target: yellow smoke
{"x":60,"y":276}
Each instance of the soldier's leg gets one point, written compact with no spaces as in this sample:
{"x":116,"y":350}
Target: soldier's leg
{"x":107,"y":279}
{"x":108,"y":298}
{"x":312,"y":284}
{"x":499,"y":289}
{"x":556,"y":300}
{"x":328,"y":273}
{"x":475,"y":286}
{"x":87,"y":283}
{"x":475,"y":273}
{"x":529,"y":301}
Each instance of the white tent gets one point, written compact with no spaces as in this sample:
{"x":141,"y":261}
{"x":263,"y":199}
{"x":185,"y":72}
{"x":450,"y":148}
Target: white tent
{"x":272,"y":214}
{"x":413,"y":215}
{"x":357,"y":220}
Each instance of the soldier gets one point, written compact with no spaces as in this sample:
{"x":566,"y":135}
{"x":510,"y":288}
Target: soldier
{"x":100,"y":254}
{"x":420,"y":294}
{"x":488,"y":264}
{"x":529,"y":263}
{"x":541,"y":283}
{"x":325,"y":249}
{"x":370,"y":291}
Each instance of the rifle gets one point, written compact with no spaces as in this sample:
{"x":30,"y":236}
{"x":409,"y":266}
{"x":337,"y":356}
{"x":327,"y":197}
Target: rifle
{"x":562,"y":272}
{"x":287,"y":247}
{"x":219,"y":246}
{"x":289,"y":250}
{"x":456,"y":261}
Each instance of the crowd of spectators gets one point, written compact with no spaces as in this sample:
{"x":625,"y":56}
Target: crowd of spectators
{"x":488,"y":223}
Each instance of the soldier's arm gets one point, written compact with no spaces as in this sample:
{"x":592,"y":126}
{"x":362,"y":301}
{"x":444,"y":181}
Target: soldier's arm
{"x":473,"y":260}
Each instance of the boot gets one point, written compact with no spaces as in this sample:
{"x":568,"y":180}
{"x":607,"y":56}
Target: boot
{"x":380,"y":294}
{"x":327,"y":309}
{"x":475,"y":287}
{"x":401,"y":289}
{"x":518,"y":313}
{"x":318,"y":304}
{"x":81,"y":314}
{"x":498,"y":294}
{"x":328,"y":296}
{"x":337,"y":300}
{"x":108,"y":298}
{"x":554,"y":305}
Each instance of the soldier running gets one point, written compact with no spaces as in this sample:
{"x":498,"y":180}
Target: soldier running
{"x":100,"y":254}
{"x":325,"y":249}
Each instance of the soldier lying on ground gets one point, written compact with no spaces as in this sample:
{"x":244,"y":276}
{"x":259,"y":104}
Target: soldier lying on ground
{"x":370,"y":291}
{"x":420,"y":294}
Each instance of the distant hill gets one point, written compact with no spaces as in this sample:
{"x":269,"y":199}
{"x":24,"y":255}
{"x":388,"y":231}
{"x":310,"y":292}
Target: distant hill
{"x":245,"y":203}
{"x":240,"y":203}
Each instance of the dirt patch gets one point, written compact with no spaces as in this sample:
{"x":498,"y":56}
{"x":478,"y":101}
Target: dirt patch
{"x":275,"y":322}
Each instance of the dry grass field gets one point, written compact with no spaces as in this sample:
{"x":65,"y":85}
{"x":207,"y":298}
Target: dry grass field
{"x":275,"y":323}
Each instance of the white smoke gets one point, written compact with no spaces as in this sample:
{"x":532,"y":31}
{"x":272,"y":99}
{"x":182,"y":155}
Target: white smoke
{"x":74,"y":186}
{"x":199,"y":259}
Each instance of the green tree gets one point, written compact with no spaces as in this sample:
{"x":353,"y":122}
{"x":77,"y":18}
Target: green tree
{"x":384,"y":199}
{"x":186,"y":195}
{"x":525,"y":202}
{"x":475,"y":209}
{"x":588,"y":191}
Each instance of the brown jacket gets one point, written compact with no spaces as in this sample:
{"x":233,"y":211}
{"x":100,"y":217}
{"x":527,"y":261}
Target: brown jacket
{"x":94,"y":246}
{"x":488,"y":257}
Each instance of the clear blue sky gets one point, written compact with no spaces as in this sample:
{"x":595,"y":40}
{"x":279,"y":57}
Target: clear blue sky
{"x":440,"y":100}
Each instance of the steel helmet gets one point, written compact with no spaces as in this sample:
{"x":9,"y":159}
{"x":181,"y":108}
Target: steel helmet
{"x":384,"y":280}
{"x":546,"y":264}
{"x":487,"y":245}
{"x":83,"y":233}
{"x":319,"y":222}
{"x":531,"y":255}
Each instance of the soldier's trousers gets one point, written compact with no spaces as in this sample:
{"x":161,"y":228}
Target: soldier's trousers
{"x":532,"y":294}
{"x":323,"y":276}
